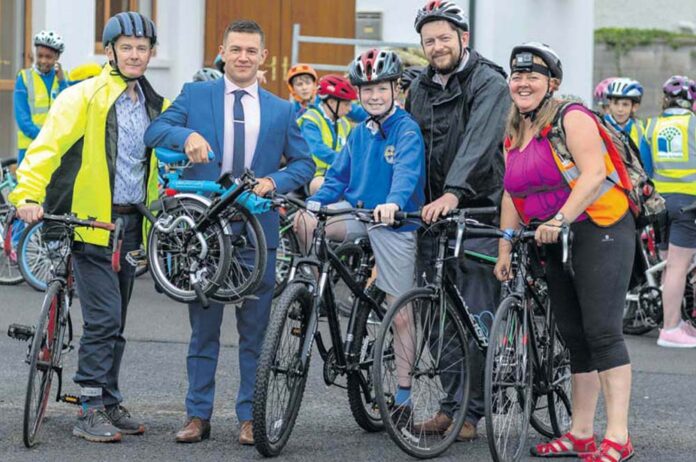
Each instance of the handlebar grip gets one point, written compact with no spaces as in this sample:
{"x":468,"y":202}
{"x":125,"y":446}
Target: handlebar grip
{"x":492,"y":210}
{"x":169,"y":156}
{"x":407,"y":215}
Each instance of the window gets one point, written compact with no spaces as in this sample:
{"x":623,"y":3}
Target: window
{"x":108,"y":8}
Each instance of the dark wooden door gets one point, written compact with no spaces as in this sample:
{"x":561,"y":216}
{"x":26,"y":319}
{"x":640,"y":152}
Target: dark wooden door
{"x":334,"y":18}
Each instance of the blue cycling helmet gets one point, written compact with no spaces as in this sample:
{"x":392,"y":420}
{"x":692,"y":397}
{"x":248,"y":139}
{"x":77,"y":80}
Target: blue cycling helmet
{"x":130,"y":24}
{"x":623,"y":88}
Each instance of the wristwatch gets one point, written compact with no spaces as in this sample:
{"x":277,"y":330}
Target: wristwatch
{"x":560,"y":217}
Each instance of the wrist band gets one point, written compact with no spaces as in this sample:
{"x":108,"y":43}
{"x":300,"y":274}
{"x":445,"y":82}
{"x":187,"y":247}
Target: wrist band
{"x":508,"y":234}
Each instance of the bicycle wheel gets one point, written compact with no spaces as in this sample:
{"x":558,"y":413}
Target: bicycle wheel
{"x":173,"y":255}
{"x":288,"y":249}
{"x":350,"y":254}
{"x":508,"y":382}
{"x":689,"y":302}
{"x":421,"y":340}
{"x":37,"y":255}
{"x":551,"y":406}
{"x":361,"y":394}
{"x":40,"y":364}
{"x":9,"y":268}
{"x":642,"y":310}
{"x":280,"y":378}
{"x":248,"y":256}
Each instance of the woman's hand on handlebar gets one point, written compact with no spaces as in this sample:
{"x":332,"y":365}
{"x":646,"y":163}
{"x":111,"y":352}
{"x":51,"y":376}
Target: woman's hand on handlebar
{"x":548,"y":232}
{"x":385,"y":213}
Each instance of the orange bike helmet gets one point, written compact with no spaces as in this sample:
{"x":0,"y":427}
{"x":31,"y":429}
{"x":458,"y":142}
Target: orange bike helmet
{"x":294,"y":71}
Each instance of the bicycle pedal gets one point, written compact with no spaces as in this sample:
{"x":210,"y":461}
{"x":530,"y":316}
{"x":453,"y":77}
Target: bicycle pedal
{"x":70,"y":399}
{"x":20,"y":332}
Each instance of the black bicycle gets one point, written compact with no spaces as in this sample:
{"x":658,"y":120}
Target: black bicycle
{"x":423,"y":343}
{"x":52,"y":335}
{"x":293,"y":329}
{"x":527,"y":373}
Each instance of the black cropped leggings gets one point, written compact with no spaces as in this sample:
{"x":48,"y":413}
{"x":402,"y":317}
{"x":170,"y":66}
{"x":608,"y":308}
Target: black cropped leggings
{"x":589,"y":307}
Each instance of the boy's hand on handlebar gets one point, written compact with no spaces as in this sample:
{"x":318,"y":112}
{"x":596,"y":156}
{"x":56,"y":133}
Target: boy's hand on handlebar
{"x":30,"y":213}
{"x":385,"y":213}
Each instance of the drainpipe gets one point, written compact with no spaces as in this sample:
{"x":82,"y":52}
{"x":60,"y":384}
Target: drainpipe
{"x":472,"y":23}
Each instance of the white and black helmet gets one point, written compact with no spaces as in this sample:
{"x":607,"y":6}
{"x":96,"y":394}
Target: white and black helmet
{"x":49,"y":39}
{"x":439,"y":10}
{"x":207,"y":74}
{"x":625,"y":88}
{"x":541,"y":50}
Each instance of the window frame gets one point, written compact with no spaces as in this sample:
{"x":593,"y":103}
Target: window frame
{"x":133,"y":5}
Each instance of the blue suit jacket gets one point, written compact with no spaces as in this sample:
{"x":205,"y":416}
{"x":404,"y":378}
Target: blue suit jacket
{"x":200,"y":108}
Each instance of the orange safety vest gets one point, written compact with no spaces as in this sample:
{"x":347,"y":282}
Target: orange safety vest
{"x":611,"y":203}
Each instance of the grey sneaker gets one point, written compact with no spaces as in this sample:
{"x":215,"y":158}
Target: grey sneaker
{"x":94,"y":425}
{"x":122,"y":419}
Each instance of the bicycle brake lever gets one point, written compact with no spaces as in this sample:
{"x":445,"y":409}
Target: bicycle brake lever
{"x":116,"y":245}
{"x":566,"y":242}
{"x":461,"y":225}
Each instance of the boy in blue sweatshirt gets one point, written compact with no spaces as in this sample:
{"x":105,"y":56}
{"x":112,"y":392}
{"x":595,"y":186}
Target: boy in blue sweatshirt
{"x":382,"y":165}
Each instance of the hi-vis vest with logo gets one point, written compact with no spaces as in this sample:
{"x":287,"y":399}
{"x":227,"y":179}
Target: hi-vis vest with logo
{"x":39,"y":101}
{"x":672,"y":142}
{"x":314,"y":115}
{"x":611,"y":203}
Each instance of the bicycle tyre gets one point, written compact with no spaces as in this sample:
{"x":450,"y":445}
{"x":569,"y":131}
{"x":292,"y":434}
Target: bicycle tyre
{"x":421,"y":444}
{"x":238,"y":281}
{"x":271,"y":432}
{"x":364,"y":337}
{"x":288,"y":249}
{"x":43,"y":340}
{"x":10,"y":274}
{"x":501,"y":365}
{"x":35,"y":258}
{"x":170,"y":270}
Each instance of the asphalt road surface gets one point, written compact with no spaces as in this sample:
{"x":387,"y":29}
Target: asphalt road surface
{"x":663,"y":422}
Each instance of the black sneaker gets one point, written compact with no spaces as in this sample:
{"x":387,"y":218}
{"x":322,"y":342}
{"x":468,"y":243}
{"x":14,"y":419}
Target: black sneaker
{"x":94,"y":425}
{"x":121,"y":419}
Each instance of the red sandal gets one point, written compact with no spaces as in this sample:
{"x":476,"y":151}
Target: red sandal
{"x":602,"y":455}
{"x":559,"y":447}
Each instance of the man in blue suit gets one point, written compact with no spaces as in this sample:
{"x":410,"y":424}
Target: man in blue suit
{"x":246,"y":127}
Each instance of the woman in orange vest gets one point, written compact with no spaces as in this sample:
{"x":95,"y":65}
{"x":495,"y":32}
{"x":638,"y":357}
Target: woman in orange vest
{"x":588,"y":306}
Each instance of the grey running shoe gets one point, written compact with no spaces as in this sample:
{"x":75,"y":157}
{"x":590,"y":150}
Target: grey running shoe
{"x":122,"y":419}
{"x":94,"y":425}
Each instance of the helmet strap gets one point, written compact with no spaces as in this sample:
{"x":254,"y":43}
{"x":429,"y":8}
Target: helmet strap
{"x":115,"y":71}
{"x":379,"y":119}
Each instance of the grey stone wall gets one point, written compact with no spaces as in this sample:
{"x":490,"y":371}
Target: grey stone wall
{"x":645,"y":14}
{"x":650,"y":65}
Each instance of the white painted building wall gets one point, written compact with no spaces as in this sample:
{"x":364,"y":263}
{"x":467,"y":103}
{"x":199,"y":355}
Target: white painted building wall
{"x":566,"y":25}
{"x":180,"y":25}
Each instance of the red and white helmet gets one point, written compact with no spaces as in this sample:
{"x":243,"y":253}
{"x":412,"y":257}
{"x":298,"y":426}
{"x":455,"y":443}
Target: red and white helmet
{"x":375,"y":66}
{"x":336,"y":86}
{"x":439,"y":10}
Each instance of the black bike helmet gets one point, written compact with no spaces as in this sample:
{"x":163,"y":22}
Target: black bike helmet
{"x":408,"y":76}
{"x":130,"y":24}
{"x":438,"y":10}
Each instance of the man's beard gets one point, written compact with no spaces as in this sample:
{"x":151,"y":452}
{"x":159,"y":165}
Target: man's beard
{"x":449,"y":68}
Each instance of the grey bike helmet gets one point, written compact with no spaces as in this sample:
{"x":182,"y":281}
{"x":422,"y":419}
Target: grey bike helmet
{"x":375,"y":66}
{"x":206,"y":74}
{"x":130,"y":24}
{"x":438,"y":10}
{"x":49,"y":39}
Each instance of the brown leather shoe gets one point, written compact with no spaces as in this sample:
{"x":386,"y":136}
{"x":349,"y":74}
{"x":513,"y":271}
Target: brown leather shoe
{"x":438,"y":424}
{"x":246,"y":433}
{"x":195,"y":431}
{"x":467,"y":433}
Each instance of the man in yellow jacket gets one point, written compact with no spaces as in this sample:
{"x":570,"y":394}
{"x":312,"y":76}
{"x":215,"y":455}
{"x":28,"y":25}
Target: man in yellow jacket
{"x":90,"y":160}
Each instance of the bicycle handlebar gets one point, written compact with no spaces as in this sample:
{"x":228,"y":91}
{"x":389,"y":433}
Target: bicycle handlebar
{"x":688,"y":208}
{"x":72,"y":221}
